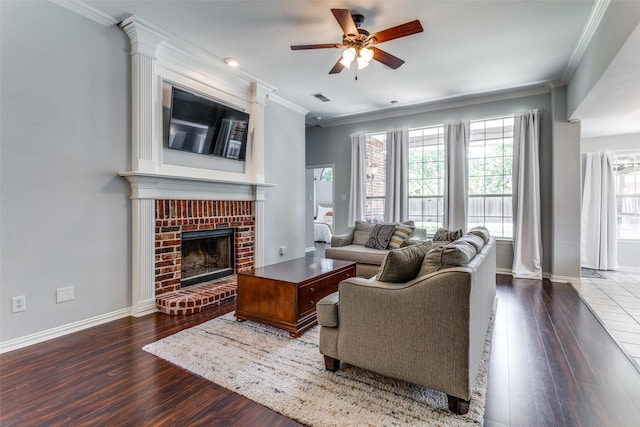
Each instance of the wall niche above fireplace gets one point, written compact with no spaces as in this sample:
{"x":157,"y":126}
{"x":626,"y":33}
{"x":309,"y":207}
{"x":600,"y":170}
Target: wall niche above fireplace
{"x":206,"y":255}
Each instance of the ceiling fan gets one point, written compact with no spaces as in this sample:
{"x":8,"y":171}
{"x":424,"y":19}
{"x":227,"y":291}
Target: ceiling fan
{"x":360,"y":44}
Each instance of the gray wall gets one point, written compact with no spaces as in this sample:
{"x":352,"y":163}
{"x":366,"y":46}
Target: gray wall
{"x":566,"y":191}
{"x":65,"y":214}
{"x":66,"y":134}
{"x":309,"y":210}
{"x":618,"y":22}
{"x":331,"y":145}
{"x":284,"y":166}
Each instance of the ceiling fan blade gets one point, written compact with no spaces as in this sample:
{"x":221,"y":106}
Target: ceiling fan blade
{"x":315,"y":46}
{"x":343,"y":16}
{"x":403,"y":30}
{"x":386,"y":58}
{"x":337,"y":68}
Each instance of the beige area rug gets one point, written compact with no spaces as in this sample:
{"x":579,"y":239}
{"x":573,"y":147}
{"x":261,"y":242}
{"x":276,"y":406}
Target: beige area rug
{"x":287,"y":375}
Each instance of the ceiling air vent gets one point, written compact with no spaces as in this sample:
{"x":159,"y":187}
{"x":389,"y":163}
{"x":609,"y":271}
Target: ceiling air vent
{"x":321,"y":97}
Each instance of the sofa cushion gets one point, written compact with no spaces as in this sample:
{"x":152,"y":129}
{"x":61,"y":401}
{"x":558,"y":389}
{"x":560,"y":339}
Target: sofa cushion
{"x":455,"y":254}
{"x":475,"y":240}
{"x":400,"y":233}
{"x":401,"y":265}
{"x":481,"y":232}
{"x":357,"y":253}
{"x":444,"y":235}
{"x":362,"y":232}
{"x":380,"y":236}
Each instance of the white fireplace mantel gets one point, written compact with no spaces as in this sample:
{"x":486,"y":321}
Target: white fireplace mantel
{"x":165,"y":187}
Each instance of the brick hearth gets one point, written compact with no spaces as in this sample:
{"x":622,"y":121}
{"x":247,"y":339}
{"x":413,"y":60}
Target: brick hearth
{"x":194,"y":299}
{"x":175,"y":216}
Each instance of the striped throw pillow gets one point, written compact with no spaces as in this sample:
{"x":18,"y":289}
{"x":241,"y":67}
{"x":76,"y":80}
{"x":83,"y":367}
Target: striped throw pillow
{"x":400,"y":234}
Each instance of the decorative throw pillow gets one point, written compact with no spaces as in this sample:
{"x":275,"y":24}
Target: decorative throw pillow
{"x":380,"y":236}
{"x":402,"y":265}
{"x":362,"y":232}
{"x":455,"y":254}
{"x":444,"y":235}
{"x":481,"y":232}
{"x":400,"y":233}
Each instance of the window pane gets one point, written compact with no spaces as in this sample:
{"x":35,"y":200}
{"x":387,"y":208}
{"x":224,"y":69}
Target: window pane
{"x":490,"y":169}
{"x":627,"y":171}
{"x":375,"y":159}
{"x":426,"y":177}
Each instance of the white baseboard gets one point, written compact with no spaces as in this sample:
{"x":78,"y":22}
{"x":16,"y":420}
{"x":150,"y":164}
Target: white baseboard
{"x":545,"y":275}
{"x":59,"y":331}
{"x":144,"y":308}
{"x":311,"y":249}
{"x":566,"y":279}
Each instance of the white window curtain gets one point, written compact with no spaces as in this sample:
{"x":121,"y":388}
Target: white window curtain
{"x":397,"y":178}
{"x":598,"y":242}
{"x":527,"y":235}
{"x":456,"y":171}
{"x":358,"y":178}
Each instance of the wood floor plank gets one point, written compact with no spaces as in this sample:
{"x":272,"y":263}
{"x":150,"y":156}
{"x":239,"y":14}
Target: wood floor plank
{"x":552,"y":364}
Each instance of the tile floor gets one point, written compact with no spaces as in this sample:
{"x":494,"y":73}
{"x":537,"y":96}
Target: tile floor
{"x":616,"y":301}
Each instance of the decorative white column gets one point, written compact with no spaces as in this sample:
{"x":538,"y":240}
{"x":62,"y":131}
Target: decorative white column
{"x":259,"y":198}
{"x":258,"y":99}
{"x":259,"y":94}
{"x":144,"y":41}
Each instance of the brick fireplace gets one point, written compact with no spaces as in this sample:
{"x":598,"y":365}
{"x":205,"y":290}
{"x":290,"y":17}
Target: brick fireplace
{"x":170,"y":195}
{"x":174,"y":217}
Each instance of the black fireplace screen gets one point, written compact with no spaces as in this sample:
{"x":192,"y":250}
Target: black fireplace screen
{"x":206,"y":255}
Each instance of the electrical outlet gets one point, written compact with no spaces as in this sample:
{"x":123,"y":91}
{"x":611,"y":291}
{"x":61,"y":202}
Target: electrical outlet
{"x":283,"y":250}
{"x":64,"y":294}
{"x":18,"y":304}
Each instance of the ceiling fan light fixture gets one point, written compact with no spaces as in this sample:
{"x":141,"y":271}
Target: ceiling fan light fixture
{"x":231,"y":62}
{"x":364,"y":57}
{"x":348,"y":56}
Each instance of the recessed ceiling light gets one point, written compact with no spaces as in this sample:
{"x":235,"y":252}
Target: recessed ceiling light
{"x":231,"y":62}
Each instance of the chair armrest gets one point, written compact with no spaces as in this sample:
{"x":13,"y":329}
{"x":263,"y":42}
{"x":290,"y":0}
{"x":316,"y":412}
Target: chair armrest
{"x":327,"y":310}
{"x":342,"y":239}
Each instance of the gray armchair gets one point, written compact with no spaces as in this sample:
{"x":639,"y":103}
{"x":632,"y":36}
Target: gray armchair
{"x":429,"y":331}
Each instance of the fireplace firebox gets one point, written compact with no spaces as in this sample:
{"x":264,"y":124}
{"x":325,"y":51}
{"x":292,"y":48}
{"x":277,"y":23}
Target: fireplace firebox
{"x":206,"y":255}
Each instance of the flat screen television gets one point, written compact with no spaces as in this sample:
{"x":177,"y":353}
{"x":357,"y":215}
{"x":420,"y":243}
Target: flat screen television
{"x":203,"y":126}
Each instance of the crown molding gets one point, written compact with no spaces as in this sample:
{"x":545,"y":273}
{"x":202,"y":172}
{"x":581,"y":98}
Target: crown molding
{"x":590,"y":27}
{"x":87,"y":11}
{"x":144,"y":37}
{"x":287,"y":104}
{"x":457,"y":101}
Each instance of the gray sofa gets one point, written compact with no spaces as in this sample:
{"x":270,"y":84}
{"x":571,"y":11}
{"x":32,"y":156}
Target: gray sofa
{"x":350,"y":246}
{"x":429,"y":330}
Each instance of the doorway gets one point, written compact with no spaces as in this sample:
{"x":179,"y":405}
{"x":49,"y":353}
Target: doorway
{"x":320,"y":203}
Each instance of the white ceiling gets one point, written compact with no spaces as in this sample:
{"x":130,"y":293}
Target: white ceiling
{"x":467,"y":47}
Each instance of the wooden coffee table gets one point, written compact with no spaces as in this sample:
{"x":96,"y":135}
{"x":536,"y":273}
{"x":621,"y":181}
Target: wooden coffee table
{"x":284,"y":295}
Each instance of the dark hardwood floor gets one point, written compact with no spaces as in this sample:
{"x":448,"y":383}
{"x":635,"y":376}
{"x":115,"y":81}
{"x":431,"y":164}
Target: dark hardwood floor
{"x":552,"y":364}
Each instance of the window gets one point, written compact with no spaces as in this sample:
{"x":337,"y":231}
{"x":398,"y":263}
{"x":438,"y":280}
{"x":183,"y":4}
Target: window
{"x":326,"y":175}
{"x":490,"y":175}
{"x":426,"y":177}
{"x":627,"y":171}
{"x":375,"y":159}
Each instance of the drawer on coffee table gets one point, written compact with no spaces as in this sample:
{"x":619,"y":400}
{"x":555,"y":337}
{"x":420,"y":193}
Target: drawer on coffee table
{"x":311,"y":293}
